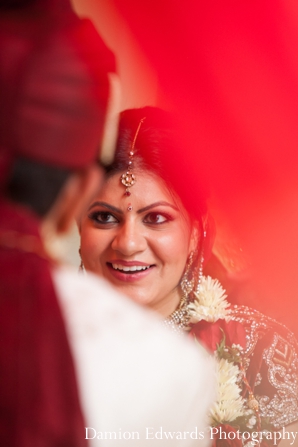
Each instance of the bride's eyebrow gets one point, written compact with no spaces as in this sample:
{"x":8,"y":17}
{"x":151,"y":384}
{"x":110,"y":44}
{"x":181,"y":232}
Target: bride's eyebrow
{"x":153,"y":205}
{"x":105,"y":205}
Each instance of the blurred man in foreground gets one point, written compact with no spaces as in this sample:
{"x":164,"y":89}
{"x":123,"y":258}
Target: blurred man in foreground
{"x":70,"y":358}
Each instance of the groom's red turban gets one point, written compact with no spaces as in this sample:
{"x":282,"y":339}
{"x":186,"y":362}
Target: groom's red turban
{"x":54,"y":86}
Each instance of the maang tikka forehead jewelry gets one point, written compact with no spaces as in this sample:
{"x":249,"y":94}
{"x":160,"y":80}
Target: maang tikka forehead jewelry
{"x":128,"y":179}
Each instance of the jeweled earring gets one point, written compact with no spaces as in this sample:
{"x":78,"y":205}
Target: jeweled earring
{"x":193,"y":273}
{"x":81,"y":268}
{"x":199,"y":270}
{"x":187,"y":282}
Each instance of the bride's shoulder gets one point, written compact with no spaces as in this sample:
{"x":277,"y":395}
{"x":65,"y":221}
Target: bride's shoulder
{"x":259,"y":326}
{"x":271,"y":357}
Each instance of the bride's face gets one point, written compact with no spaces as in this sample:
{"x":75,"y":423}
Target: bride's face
{"x":142,"y":251}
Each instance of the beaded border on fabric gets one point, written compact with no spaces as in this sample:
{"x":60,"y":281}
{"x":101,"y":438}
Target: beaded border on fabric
{"x":281,"y":358}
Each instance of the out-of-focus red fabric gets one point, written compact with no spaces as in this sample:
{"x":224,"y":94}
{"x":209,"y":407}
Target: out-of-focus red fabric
{"x":39,"y":403}
{"x":231,"y":69}
{"x":54,"y":85}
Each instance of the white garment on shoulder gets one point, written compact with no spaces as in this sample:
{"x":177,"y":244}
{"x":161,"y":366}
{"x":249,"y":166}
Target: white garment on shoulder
{"x":139,"y":383}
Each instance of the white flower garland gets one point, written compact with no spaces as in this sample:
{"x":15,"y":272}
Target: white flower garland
{"x":211,"y":305}
{"x":229,"y":404}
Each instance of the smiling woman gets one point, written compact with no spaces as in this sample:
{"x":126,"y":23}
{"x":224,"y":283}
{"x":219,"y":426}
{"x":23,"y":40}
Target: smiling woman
{"x":137,"y":233}
{"x":148,"y":232}
{"x":143,"y":252}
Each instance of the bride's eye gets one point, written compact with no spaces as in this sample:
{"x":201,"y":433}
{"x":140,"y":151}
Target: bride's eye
{"x":157,"y":218}
{"x":102,"y":217}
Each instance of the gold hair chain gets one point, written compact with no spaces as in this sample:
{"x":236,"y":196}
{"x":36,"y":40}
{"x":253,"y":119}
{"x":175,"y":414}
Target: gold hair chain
{"x":128,"y":179}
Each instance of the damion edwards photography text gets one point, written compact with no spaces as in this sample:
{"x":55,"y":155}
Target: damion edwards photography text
{"x":150,"y":433}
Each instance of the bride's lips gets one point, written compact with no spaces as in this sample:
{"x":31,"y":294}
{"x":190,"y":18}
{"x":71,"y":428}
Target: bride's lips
{"x":129,"y":271}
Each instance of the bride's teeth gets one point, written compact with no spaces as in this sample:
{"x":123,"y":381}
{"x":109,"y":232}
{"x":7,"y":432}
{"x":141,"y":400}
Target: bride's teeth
{"x":132,"y":268}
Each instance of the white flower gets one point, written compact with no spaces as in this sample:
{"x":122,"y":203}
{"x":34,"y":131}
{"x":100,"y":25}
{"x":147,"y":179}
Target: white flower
{"x":229,"y":404}
{"x":210,"y":303}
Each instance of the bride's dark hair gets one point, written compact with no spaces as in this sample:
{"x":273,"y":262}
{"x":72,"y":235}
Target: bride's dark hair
{"x":159,"y":149}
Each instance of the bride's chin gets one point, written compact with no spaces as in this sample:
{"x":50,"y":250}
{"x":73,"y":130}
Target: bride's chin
{"x":139,"y":297}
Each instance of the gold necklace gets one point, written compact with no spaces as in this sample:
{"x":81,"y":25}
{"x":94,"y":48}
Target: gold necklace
{"x":178,"y":321}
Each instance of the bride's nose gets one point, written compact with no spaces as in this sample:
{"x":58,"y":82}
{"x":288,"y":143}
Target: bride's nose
{"x":129,"y":239}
